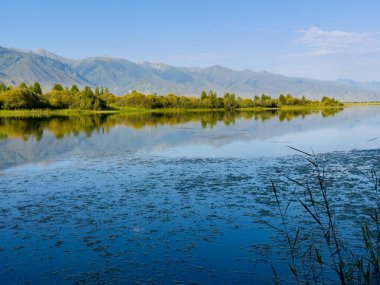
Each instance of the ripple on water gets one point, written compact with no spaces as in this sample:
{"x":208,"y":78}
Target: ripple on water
{"x":117,"y":218}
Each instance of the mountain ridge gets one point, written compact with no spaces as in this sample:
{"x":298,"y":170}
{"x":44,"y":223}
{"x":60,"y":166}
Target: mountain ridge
{"x":122,"y":76}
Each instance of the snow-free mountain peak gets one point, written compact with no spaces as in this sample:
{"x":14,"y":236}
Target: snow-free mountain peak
{"x":121,"y":76}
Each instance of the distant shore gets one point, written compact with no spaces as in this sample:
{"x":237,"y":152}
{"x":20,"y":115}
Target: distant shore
{"x":127,"y":111}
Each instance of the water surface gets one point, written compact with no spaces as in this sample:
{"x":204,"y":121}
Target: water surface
{"x":167,"y":198}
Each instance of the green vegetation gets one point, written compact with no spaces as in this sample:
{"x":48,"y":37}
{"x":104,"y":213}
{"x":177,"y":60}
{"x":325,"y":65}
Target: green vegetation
{"x":322,"y":254}
{"x":353,"y":104}
{"x":25,"y":97}
{"x":212,"y":101}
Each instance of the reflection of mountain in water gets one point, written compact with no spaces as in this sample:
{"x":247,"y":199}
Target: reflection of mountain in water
{"x":40,"y":139}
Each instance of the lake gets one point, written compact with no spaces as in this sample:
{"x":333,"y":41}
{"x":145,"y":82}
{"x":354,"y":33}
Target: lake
{"x":171,"y":198}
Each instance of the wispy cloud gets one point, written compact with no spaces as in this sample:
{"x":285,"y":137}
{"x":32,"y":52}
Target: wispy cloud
{"x":321,"y":42}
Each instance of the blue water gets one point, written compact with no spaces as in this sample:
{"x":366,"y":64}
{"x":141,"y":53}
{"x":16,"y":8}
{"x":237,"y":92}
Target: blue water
{"x":170,"y":203}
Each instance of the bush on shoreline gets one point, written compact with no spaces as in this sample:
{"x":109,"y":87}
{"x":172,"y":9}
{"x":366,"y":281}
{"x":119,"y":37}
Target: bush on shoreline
{"x":32,"y":97}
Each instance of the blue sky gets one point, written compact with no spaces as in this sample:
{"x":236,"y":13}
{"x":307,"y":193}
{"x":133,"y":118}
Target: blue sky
{"x":320,"y":39}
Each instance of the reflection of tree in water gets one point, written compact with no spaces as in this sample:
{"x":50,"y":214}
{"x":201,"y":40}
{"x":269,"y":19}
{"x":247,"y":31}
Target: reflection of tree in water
{"x":327,"y":112}
{"x":61,"y":126}
{"x":66,"y":126}
{"x":262,"y":115}
{"x":289,"y":115}
{"x":22,"y":128}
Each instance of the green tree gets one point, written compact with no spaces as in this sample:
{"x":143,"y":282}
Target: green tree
{"x":282,"y":99}
{"x":229,"y":101}
{"x":87,"y":91}
{"x":87,"y":100}
{"x":57,"y":87}
{"x":245,"y":103}
{"x":203,"y":95}
{"x":37,"y":88}
{"x":60,"y":99}
{"x":3,"y":88}
{"x":22,"y":85}
{"x":21,"y":98}
{"x":213,"y":99}
{"x":74,"y":89}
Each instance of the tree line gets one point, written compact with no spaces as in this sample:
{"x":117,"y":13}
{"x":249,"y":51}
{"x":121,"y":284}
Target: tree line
{"x":59,"y":97}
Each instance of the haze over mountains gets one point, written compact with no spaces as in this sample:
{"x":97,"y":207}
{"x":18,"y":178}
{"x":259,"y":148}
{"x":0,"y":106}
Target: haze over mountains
{"x":122,"y":76}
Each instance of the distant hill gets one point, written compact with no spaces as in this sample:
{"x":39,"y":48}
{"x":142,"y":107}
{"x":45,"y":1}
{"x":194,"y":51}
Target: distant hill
{"x":17,"y":66}
{"x":370,"y":85}
{"x":121,"y":76}
{"x":48,"y":54}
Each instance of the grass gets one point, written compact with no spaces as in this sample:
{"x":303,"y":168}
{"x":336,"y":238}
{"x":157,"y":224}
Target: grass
{"x":290,"y":108}
{"x":314,"y":263}
{"x":354,"y":104}
{"x":48,"y":112}
{"x":130,"y":110}
{"x":166,"y":110}
{"x":72,"y":112}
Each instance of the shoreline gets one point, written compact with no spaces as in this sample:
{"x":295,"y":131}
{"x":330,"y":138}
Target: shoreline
{"x":129,"y":111}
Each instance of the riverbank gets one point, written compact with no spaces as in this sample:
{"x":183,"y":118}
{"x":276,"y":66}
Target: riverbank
{"x":353,"y":104}
{"x":76,"y":112}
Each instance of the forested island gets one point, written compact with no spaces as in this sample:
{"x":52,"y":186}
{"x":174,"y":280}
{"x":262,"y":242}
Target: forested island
{"x":24,"y":97}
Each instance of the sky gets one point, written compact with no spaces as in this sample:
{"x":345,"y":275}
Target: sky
{"x":310,"y":38}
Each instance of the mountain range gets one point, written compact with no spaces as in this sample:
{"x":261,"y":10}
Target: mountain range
{"x":122,"y":76}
